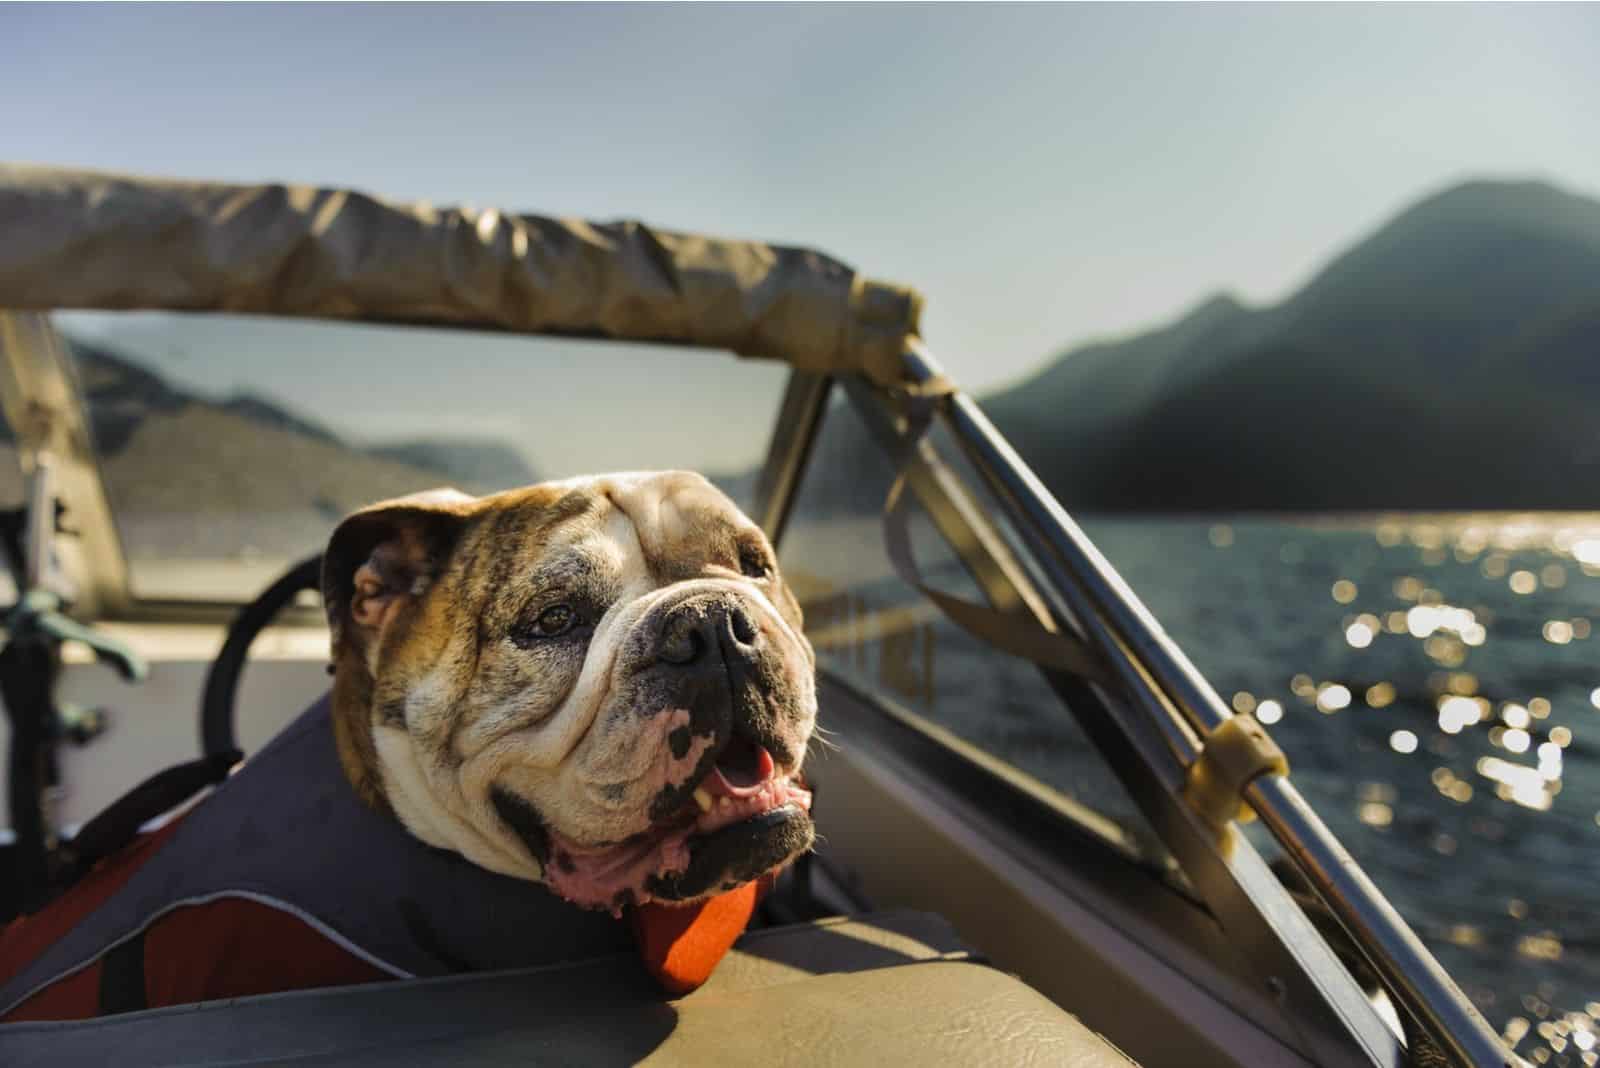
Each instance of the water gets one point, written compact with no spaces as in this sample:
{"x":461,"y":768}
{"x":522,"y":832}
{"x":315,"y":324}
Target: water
{"x":1434,"y":682}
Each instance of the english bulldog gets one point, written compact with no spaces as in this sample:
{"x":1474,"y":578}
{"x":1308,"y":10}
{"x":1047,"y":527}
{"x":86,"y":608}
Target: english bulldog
{"x":600,"y":684}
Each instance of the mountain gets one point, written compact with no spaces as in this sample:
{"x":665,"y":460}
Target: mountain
{"x":1449,"y":360}
{"x":193,"y":476}
{"x":477,"y":465}
{"x":260,"y":410}
{"x":122,"y":396}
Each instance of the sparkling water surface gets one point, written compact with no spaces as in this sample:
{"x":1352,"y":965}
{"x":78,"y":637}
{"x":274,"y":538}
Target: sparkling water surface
{"x":1435,"y":681}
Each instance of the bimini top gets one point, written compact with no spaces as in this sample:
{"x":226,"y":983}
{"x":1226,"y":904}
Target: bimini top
{"x":80,"y":239}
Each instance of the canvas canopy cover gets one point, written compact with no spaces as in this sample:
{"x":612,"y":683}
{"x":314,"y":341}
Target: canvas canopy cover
{"x":82,"y":239}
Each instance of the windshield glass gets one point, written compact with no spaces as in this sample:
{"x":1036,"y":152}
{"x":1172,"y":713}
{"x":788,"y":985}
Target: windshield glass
{"x":230,"y":445}
{"x":870,"y":627}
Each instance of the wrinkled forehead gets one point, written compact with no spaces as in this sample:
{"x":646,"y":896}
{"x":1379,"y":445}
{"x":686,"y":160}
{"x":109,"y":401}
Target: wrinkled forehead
{"x":682,"y":521}
{"x":660,"y":527}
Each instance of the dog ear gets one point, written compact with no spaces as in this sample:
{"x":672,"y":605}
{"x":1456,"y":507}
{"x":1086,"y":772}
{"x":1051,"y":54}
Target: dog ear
{"x":384,"y":556}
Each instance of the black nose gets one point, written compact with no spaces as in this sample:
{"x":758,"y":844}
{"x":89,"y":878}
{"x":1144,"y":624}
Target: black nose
{"x":698,"y":629}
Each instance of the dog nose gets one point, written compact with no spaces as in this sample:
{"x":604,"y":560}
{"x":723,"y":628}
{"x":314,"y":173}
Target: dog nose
{"x":696,"y":629}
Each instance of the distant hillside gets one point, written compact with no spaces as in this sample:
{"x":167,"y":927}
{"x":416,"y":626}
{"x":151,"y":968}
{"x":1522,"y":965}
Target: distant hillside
{"x":188,"y":475}
{"x":478,"y":465}
{"x":260,"y":410}
{"x":1449,"y":360}
{"x":122,"y":395}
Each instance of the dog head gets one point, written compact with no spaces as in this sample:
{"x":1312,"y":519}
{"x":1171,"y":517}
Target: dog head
{"x":600,"y":683}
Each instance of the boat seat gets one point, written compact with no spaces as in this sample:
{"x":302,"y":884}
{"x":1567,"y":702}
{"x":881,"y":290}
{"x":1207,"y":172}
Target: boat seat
{"x":888,"y":988}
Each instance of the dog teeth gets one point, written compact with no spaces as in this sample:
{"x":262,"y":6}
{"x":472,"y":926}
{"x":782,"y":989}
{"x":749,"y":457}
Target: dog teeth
{"x":702,"y":798}
{"x":724,"y":801}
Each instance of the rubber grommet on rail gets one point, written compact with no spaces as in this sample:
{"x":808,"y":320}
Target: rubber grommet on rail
{"x":1235,"y":754}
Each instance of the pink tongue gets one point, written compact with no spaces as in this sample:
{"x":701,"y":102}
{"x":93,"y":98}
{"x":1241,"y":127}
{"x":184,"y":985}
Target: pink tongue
{"x":741,"y":782}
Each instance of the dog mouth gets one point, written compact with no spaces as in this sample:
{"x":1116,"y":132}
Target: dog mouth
{"x":741,"y":820}
{"x":742,"y":770}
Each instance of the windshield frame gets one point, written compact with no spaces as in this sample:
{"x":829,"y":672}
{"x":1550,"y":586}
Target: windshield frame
{"x":41,"y":396}
{"x":1140,"y":730}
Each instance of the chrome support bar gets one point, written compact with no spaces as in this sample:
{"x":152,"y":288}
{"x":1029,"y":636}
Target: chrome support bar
{"x":799,"y":415}
{"x":1166,"y":684}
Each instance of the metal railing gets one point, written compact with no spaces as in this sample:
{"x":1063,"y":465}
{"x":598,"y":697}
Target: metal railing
{"x":1182,"y":707}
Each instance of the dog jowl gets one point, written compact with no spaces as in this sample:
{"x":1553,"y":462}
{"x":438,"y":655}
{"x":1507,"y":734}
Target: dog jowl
{"x":600,"y":683}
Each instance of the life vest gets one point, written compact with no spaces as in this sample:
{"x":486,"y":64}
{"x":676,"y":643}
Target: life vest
{"x":282,"y":879}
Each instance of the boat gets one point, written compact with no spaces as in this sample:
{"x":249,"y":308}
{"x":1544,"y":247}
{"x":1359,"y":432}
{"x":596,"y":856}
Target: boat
{"x":957,"y":908}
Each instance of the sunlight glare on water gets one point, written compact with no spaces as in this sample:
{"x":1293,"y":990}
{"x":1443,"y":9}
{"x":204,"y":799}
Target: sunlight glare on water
{"x":1454,"y":673}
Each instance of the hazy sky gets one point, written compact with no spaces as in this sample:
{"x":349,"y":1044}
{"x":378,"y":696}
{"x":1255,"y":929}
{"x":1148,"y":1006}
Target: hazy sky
{"x":1044,"y":174}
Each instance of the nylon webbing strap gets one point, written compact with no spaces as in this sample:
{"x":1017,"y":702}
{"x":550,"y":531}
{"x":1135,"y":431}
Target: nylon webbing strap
{"x":1018,"y":635}
{"x":160,"y":793}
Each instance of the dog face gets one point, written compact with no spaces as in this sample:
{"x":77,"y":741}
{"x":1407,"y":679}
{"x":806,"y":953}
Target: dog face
{"x":600,"y":683}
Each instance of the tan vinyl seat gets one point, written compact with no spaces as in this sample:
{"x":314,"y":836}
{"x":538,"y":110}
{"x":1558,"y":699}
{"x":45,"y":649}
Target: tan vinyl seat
{"x":893,"y":988}
{"x":886,"y":989}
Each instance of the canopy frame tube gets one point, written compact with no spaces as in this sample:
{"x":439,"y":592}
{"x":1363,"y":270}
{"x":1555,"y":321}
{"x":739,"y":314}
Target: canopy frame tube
{"x":794,"y":432}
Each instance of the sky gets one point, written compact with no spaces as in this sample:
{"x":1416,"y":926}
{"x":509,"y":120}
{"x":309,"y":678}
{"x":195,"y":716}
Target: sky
{"x":1045,"y":174}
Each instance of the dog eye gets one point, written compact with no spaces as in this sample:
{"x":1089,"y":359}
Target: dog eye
{"x":553,"y":622}
{"x":753,"y":562}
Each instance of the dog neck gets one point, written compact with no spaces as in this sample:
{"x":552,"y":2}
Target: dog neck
{"x":353,"y":729}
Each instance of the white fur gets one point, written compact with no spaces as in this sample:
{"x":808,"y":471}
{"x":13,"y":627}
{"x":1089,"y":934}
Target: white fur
{"x":419,"y":809}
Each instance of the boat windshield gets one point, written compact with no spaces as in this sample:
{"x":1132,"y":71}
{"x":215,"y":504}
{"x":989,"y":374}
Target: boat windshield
{"x":873,"y":629}
{"x":229,"y":445}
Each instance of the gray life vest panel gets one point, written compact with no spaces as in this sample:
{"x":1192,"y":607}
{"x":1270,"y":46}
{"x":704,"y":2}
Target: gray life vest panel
{"x":288,"y":831}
